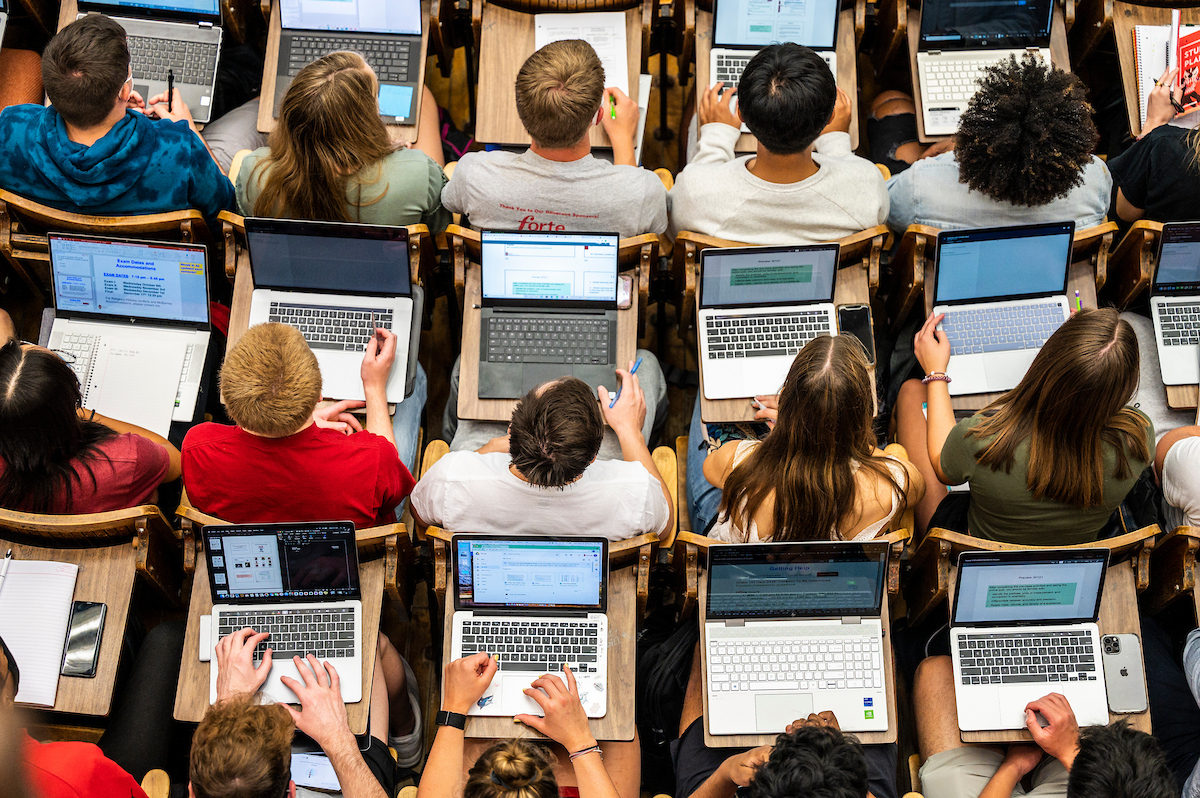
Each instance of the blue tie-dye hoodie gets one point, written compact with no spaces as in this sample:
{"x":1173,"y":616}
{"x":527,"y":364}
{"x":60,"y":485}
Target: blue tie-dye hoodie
{"x":140,"y":166}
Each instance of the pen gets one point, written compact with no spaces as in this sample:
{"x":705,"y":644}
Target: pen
{"x":1078,"y":301}
{"x":4,"y":567}
{"x":170,"y":88}
{"x":612,"y":98}
{"x":617,"y":395}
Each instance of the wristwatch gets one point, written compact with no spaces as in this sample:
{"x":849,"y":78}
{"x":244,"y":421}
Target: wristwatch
{"x":444,"y":718}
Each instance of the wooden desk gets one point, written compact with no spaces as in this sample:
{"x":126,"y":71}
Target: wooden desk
{"x":847,"y":66}
{"x":105,"y":575}
{"x":1118,"y":615}
{"x":1058,"y":56}
{"x":191,"y":696}
{"x":469,"y":404}
{"x":1183,"y":397}
{"x":1125,"y":16}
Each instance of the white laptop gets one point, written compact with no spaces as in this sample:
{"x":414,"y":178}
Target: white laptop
{"x":332,"y":281}
{"x":150,"y":297}
{"x":3,"y":19}
{"x":535,"y":604}
{"x":759,"y":306}
{"x":1003,"y":290}
{"x":1175,"y":303}
{"x":794,"y":628}
{"x":299,"y":582}
{"x":958,"y":41}
{"x":1024,"y":626}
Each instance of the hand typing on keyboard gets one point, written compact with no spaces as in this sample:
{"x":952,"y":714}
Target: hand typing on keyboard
{"x":236,"y":673}
{"x":716,"y":106}
{"x":566,"y":721}
{"x":932,"y":346}
{"x":322,"y":714}
{"x":467,"y":678}
{"x":766,"y":409}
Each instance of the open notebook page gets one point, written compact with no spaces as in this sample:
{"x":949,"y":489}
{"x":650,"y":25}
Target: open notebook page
{"x":35,"y":609}
{"x":1150,"y":51}
{"x":136,"y":380}
{"x":603,"y":30}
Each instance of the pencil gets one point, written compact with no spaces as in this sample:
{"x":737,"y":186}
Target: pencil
{"x":612,"y":98}
{"x":1078,"y":301}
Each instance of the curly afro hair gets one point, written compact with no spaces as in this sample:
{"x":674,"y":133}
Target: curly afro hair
{"x":1026,"y":135}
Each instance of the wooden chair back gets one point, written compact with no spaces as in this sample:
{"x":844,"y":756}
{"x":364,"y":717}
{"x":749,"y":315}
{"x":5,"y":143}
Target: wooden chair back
{"x":1173,"y":572}
{"x":1132,"y":264}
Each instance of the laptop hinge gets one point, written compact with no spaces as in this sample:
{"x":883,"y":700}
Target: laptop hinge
{"x":732,"y":622}
{"x":851,"y":619}
{"x":205,"y":24}
{"x":1033,"y":49}
{"x":933,"y":52}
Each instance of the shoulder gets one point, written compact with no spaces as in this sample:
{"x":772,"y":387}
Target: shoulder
{"x":129,"y":446}
{"x":208,"y":433}
{"x":464,"y":466}
{"x":253,"y":159}
{"x":619,"y":471}
{"x":80,"y":769}
{"x":23,"y":114}
{"x":483,"y":160}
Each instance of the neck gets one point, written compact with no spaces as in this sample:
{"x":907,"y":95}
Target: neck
{"x":774,"y":168}
{"x":306,"y":425}
{"x":580,"y":149}
{"x":87,"y":136}
{"x":513,"y":470}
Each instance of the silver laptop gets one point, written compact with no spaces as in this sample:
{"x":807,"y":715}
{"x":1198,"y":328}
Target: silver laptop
{"x":1024,"y":626}
{"x":1003,"y":290}
{"x":1175,"y":303}
{"x":535,"y":604}
{"x":795,"y":628}
{"x":958,"y":41}
{"x":298,"y":582}
{"x":759,"y":306}
{"x":109,"y":291}
{"x":3,"y":19}
{"x":332,"y":281}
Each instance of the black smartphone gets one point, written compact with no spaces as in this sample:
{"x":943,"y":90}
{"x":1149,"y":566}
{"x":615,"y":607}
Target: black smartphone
{"x":82,"y":653}
{"x":856,"y":320}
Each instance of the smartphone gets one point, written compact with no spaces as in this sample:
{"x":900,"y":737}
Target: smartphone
{"x":83,"y":639}
{"x":855,"y":320}
{"x":625,"y":292}
{"x":1124,"y":677}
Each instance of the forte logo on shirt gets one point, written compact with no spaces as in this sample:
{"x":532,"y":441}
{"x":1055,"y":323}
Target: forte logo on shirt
{"x":531,"y":220}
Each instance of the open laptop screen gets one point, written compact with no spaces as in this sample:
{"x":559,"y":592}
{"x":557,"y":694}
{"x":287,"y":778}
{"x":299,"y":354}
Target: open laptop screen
{"x":978,"y":24}
{"x":329,"y":257}
{"x":1003,"y":262}
{"x":504,"y":573}
{"x":761,"y":22}
{"x":279,"y":563}
{"x":146,"y":280}
{"x":207,"y":8}
{"x":796,"y":580}
{"x":1020,"y":587}
{"x":568,"y":269}
{"x":1179,"y":260}
{"x":750,"y":276}
{"x":352,"y":16}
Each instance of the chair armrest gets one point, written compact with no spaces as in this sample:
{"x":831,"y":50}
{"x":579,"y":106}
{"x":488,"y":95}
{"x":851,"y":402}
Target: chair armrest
{"x":1094,"y":243}
{"x":1172,"y":569}
{"x":683,"y":520}
{"x":666,"y":463}
{"x":1131,"y":264}
{"x":668,"y":179}
{"x":907,"y":288}
{"x":156,"y":784}
{"x":439,"y":542}
{"x":462,"y":243}
{"x":422,"y":254}
{"x":434,"y":451}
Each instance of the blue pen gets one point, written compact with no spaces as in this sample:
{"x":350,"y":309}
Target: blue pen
{"x":617,"y":395}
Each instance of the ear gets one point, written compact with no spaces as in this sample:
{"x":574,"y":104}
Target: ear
{"x":291,"y":789}
{"x":599,"y":115}
{"x":191,"y":792}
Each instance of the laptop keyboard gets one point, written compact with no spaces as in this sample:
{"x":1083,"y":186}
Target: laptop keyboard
{"x":730,"y":67}
{"x":343,"y":329}
{"x":816,"y":663}
{"x":1180,"y":324}
{"x":538,"y":646}
{"x":760,"y":336}
{"x":389,"y":58}
{"x":534,"y":339}
{"x":1002,"y":328}
{"x":194,"y":63}
{"x":1006,"y":658}
{"x":952,"y":80}
{"x":324,"y":633}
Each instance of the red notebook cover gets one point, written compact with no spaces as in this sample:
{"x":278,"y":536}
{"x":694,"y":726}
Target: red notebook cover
{"x":1189,"y":71}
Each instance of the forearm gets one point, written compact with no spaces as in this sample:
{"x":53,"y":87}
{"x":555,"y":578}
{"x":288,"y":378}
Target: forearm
{"x":623,"y":151}
{"x":378,"y":420}
{"x":718,"y":785}
{"x":716,"y":143}
{"x":939,"y":421}
{"x":593,"y":778}
{"x":355,"y":778}
{"x":633,"y":450}
{"x":443,"y":768}
{"x":1002,"y":783}
{"x":176,"y":466}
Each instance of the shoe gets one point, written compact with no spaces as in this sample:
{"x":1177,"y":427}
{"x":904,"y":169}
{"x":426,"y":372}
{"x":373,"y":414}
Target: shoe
{"x":410,"y":748}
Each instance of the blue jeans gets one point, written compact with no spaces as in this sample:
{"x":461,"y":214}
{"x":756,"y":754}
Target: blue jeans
{"x":703,"y":499}
{"x":406,"y":423}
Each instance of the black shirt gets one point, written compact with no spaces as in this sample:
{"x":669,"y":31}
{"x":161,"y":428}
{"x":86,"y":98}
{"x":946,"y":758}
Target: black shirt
{"x":1158,"y":175}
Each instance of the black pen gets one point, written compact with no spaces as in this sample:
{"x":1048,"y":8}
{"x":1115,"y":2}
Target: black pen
{"x":170,"y":89}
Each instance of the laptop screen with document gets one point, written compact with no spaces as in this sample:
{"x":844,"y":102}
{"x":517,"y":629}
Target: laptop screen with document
{"x":1179,"y":259}
{"x":206,"y":8}
{"x":279,"y":563}
{"x":1003,"y":262}
{"x":978,"y":24}
{"x":352,"y":16}
{"x":574,"y":269}
{"x":740,"y":23}
{"x":750,"y":276}
{"x":329,"y":257}
{"x":499,"y":573}
{"x":1020,"y":587}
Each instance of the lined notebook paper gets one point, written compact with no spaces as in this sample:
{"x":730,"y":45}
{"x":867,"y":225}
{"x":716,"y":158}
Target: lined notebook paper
{"x":603,"y":30}
{"x":35,"y":609}
{"x":122,"y":387}
{"x":1150,"y":54}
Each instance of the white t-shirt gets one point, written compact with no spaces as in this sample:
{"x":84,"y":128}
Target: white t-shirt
{"x":472,"y":492}
{"x":1181,"y":483}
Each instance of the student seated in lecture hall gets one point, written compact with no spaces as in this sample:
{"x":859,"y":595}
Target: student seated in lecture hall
{"x":1047,"y":462}
{"x":100,"y":147}
{"x":557,"y":184}
{"x":804,"y":185}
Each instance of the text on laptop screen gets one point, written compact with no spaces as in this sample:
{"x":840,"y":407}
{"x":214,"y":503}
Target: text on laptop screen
{"x":206,"y":7}
{"x":796,"y":580}
{"x":1179,"y":261}
{"x":353,"y":16}
{"x":952,"y":24}
{"x":768,"y":276}
{"x":530,"y":573}
{"x":121,"y":278}
{"x":549,"y":266}
{"x":280,"y":562}
{"x":347,"y":265}
{"x":763,"y":22}
{"x":1020,"y":262}
{"x":1000,"y":592}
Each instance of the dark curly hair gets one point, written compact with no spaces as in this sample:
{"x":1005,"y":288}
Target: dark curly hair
{"x":1119,"y":762}
{"x":812,"y":761}
{"x":1027,"y":134}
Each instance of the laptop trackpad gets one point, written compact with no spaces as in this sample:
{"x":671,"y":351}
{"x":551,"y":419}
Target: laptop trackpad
{"x":534,"y":374}
{"x":773,"y":712}
{"x":515,"y":701}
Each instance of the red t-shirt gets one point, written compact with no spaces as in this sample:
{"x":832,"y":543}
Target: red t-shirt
{"x":314,"y":475}
{"x":75,"y":770}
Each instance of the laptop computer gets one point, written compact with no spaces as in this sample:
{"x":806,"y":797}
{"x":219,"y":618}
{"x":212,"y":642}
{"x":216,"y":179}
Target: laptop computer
{"x":1175,"y":303}
{"x":1023,"y":626}
{"x":794,"y":628}
{"x":3,"y":19}
{"x":332,"y":281}
{"x":386,"y":33}
{"x":549,"y":310}
{"x":299,"y":582}
{"x":1004,"y":292}
{"x":759,"y":306}
{"x":958,"y":41}
{"x":182,"y":36}
{"x":110,"y":291}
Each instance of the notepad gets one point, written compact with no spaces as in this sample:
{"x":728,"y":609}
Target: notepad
{"x":314,"y":771}
{"x":35,"y":610}
{"x":121,"y":386}
{"x":603,"y":30}
{"x":1150,"y":56}
{"x":395,"y":100}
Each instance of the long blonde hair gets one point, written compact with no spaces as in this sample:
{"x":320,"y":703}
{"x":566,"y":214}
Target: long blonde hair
{"x":329,"y":130}
{"x":512,"y":769}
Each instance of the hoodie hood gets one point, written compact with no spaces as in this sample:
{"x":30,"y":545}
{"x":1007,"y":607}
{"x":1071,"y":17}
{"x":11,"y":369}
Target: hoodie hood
{"x":94,"y":176}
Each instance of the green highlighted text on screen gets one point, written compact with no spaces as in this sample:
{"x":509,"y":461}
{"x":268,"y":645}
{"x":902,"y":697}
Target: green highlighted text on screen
{"x":1039,"y":595}
{"x":771,"y":275}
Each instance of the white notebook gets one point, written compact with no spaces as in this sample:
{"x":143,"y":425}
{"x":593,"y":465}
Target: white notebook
{"x":120,"y":385}
{"x":1150,"y":55}
{"x":35,"y":609}
{"x":603,"y":30}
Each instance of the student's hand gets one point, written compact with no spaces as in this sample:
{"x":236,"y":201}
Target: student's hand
{"x":566,"y":722}
{"x":630,"y":411}
{"x":715,"y":107}
{"x":467,"y":678}
{"x":1061,"y":738}
{"x":1022,"y":758}
{"x":377,"y":359}
{"x":157,"y":106}
{"x":333,"y":415}
{"x":497,"y":444}
{"x":136,"y":102}
{"x":822,"y":720}
{"x":938,"y":147}
{"x":840,"y":121}
{"x":624,"y":127}
{"x":766,"y":409}
{"x":1159,"y":108}
{"x":931,"y":346}
{"x":322,"y":713}
{"x":236,"y":673}
{"x":740,"y":768}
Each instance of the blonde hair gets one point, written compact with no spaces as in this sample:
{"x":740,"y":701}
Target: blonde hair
{"x":559,"y":89}
{"x":512,"y":769}
{"x":270,"y":381}
{"x":242,"y":750}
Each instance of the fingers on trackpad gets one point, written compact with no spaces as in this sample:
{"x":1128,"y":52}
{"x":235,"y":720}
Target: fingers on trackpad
{"x":515,"y":701}
{"x":775,"y":711}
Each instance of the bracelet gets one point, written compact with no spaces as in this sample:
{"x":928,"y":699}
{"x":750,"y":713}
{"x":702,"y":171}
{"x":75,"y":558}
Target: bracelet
{"x":586,"y":751}
{"x":935,"y":376}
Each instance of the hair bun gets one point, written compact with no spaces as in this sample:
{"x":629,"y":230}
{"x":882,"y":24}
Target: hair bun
{"x":515,"y":769}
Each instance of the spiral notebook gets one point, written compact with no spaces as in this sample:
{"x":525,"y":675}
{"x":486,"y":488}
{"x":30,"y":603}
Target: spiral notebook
{"x":1150,"y":55}
{"x":118,"y":386}
{"x":35,"y":609}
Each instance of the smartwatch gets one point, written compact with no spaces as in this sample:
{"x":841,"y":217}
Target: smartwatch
{"x":444,"y":718}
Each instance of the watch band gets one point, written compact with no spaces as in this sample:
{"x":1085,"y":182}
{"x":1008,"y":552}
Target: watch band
{"x":444,"y":718}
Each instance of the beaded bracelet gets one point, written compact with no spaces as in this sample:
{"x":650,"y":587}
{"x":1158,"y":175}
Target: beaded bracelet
{"x":586,"y":751}
{"x":935,"y":376}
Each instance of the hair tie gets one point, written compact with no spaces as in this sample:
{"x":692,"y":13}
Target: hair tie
{"x":499,"y":782}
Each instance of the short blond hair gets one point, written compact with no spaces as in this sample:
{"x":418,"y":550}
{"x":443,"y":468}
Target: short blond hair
{"x":242,"y":750}
{"x":559,"y":89}
{"x":270,"y":381}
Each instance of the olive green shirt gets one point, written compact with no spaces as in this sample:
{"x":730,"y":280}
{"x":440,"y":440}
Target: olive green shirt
{"x":1002,"y":507}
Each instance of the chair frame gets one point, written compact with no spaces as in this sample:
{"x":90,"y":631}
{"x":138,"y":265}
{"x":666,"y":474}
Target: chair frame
{"x":1133,"y":263}
{"x":1173,"y":571}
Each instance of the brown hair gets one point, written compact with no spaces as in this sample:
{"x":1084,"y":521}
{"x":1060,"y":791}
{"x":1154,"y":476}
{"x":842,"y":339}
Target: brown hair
{"x":329,"y":131}
{"x":270,"y":381}
{"x":512,"y":769}
{"x":84,"y":68}
{"x":555,"y":432}
{"x":559,"y":89}
{"x":1069,"y":404}
{"x":242,"y":750}
{"x":824,"y":430}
